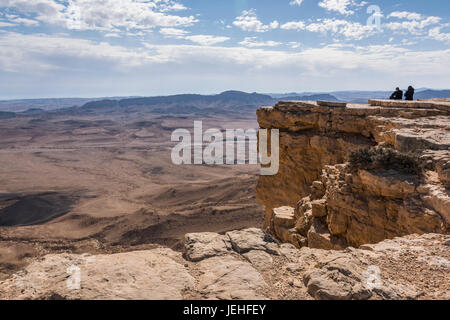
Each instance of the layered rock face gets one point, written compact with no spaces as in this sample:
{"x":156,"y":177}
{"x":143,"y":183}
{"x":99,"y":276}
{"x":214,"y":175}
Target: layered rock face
{"x":317,"y":200}
{"x":245,"y":264}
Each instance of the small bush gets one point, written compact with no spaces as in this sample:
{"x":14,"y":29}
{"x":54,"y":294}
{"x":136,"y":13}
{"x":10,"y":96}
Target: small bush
{"x":385,"y":158}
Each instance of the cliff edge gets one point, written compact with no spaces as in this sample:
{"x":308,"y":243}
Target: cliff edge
{"x":357,"y":174}
{"x":246,"y":264}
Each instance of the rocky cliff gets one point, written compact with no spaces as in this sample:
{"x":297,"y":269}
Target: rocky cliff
{"x":391,"y":204}
{"x":319,"y":200}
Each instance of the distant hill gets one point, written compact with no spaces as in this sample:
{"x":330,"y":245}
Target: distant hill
{"x":21,"y":105}
{"x":33,"y":111}
{"x":430,"y":94}
{"x":361,"y":96}
{"x":7,"y":115}
{"x":323,"y":97}
{"x":225,"y":102}
{"x":228,"y":101}
{"x":344,"y":96}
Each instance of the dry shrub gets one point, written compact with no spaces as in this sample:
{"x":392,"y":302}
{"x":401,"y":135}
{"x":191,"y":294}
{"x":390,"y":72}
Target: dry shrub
{"x":385,"y":158}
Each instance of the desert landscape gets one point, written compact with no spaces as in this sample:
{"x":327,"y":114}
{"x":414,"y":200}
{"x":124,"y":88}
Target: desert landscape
{"x":349,"y":215}
{"x":97,"y":183}
{"x":209,"y":153}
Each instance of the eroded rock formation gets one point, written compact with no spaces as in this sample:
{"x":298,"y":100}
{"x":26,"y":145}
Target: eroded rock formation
{"x":316,"y":199}
{"x":246,"y":264}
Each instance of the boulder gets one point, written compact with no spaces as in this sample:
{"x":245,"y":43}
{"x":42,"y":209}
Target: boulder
{"x":319,"y":208}
{"x":200,"y":246}
{"x":320,"y":238}
{"x":252,"y":239}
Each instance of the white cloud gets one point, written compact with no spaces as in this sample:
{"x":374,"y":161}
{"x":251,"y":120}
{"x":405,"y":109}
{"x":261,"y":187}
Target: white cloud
{"x":112,"y":35}
{"x":49,"y":10}
{"x":293,"y":25}
{"x":294,"y":44}
{"x":25,"y":22}
{"x":25,"y":52}
{"x":341,"y":6}
{"x":274,"y":24}
{"x":350,"y":30}
{"x":20,"y":52}
{"x":411,"y":22}
{"x":405,"y":15}
{"x":77,"y":66}
{"x":173,"y":32}
{"x":6,"y":24}
{"x":248,"y":21}
{"x":105,"y":15}
{"x":252,"y":42}
{"x":17,"y":20}
{"x":296,"y":2}
{"x":435,"y":33}
{"x":413,"y":26}
{"x":206,"y":40}
{"x":407,"y":42}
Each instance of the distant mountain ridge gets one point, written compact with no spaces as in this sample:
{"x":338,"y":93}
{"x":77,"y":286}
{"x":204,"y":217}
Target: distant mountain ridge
{"x":430,"y":94}
{"x":237,"y":101}
{"x":228,"y":101}
{"x":224,"y":98}
{"x":225,"y":102}
{"x":7,"y":115}
{"x":315,"y":97}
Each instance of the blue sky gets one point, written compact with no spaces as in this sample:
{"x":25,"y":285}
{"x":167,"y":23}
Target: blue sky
{"x":91,"y":48}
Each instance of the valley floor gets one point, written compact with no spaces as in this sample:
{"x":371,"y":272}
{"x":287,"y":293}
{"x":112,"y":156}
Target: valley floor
{"x":91,"y":184}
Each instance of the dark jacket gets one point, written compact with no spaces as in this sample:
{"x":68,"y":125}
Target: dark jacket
{"x":397,"y":95}
{"x":409,"y":95}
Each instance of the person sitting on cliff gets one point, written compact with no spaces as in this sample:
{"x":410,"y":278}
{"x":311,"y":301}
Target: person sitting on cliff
{"x":409,"y":95}
{"x":397,"y":95}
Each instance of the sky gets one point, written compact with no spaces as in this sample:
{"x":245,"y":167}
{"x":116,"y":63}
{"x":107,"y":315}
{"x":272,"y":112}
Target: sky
{"x":99,"y":48}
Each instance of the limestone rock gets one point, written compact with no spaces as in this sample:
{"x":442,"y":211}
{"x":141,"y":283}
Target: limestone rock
{"x":335,"y":284}
{"x":389,"y":184}
{"x":284,"y":217}
{"x":259,"y":259}
{"x":317,"y":190}
{"x":282,"y":225}
{"x":332,"y":104}
{"x":252,"y":239}
{"x":227,"y":278}
{"x":305,"y":216}
{"x":149,"y":275}
{"x":319,"y":208}
{"x":361,"y":206}
{"x":410,"y":267}
{"x":200,"y":246}
{"x":320,"y":238}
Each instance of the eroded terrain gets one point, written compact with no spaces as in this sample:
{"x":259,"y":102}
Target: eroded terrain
{"x":103,"y":184}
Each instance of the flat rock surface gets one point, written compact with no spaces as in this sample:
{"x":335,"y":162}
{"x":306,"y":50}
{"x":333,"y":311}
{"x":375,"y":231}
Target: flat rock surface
{"x":199,"y":246}
{"x":252,"y":239}
{"x":150,"y":275}
{"x":230,"y":278}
